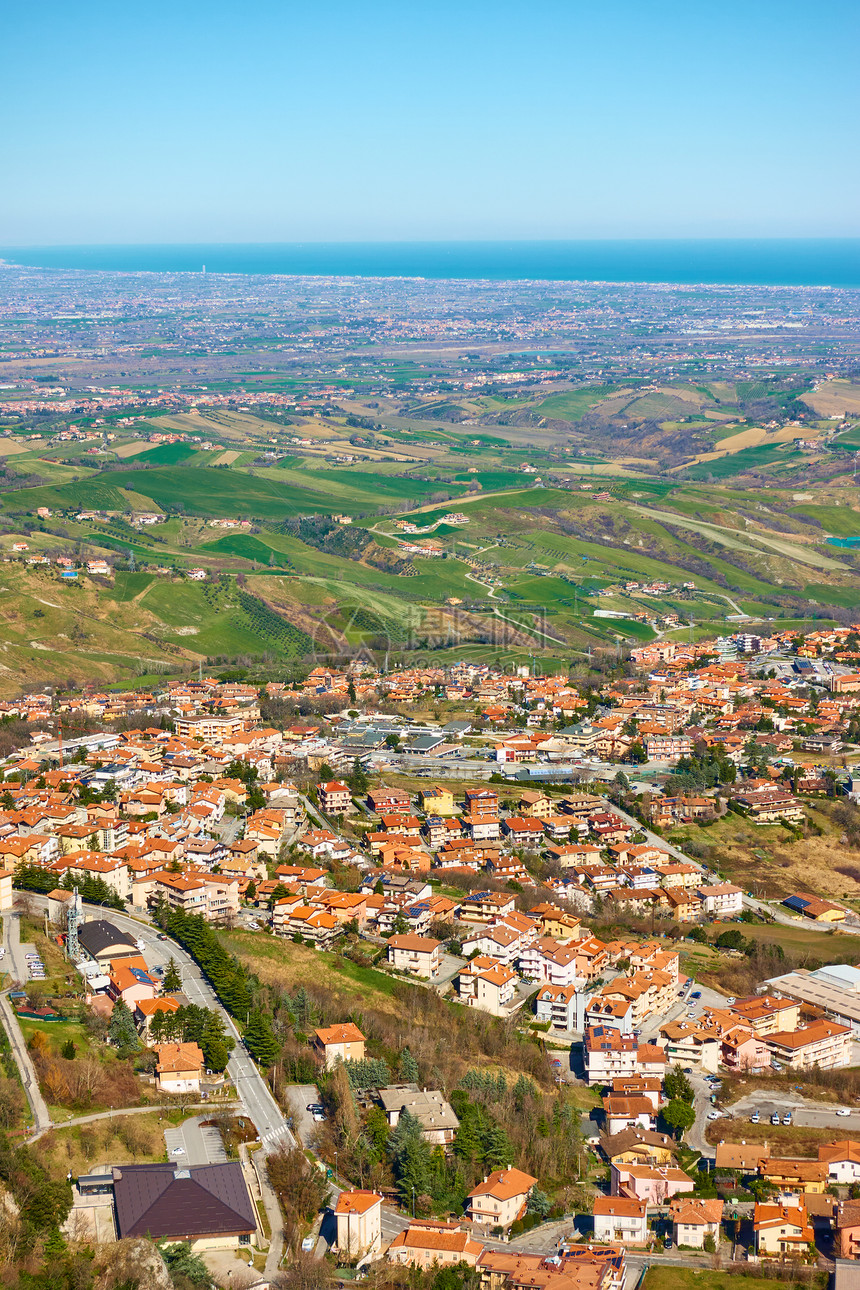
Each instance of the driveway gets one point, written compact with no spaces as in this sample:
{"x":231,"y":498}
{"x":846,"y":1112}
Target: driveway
{"x":192,"y":1144}
{"x":449,"y":967}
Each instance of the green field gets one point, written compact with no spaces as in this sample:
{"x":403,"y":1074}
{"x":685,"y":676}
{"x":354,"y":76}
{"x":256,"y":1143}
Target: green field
{"x":574,"y":404}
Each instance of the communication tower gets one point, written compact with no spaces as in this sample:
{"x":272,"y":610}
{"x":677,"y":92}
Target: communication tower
{"x":74,"y":918}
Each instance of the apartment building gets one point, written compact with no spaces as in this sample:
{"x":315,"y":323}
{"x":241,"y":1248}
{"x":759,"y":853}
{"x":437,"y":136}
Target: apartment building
{"x":335,"y":798}
{"x":721,"y":900}
{"x":417,"y":955}
{"x":609,"y":1054}
{"x":824,"y":1044}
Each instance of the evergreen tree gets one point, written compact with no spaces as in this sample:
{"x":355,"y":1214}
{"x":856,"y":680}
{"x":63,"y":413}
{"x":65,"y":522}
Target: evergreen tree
{"x":411,"y":1159}
{"x":676,"y":1085}
{"x":358,"y":779}
{"x":408,"y":1067}
{"x":679,"y":1116}
{"x":122,"y":1031}
{"x":260,"y":1041}
{"x":172,"y":980}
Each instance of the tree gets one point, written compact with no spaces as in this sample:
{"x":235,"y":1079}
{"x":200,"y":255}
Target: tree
{"x":325,"y":773}
{"x":184,"y":1266}
{"x":679,"y":1116}
{"x":68,"y":1050}
{"x":359,"y":781}
{"x":251,"y":890}
{"x":636,"y":753}
{"x":408,"y":1067}
{"x":539,"y":1202}
{"x":392,"y":740}
{"x":260,"y":1041}
{"x":172,"y":980}
{"x":676,"y":1085}
{"x":122,"y":1031}
{"x":730,"y":939}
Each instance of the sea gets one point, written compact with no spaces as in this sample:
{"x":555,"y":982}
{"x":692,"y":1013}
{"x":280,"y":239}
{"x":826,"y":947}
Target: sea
{"x":794,"y":262}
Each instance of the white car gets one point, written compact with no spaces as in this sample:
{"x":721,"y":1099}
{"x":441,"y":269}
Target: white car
{"x":843,"y":1110}
{"x":178,"y":1151}
{"x":715,"y":1115}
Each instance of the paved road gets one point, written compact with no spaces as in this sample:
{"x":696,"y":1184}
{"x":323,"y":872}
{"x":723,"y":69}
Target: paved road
{"x":252,"y":1090}
{"x":212,"y":1108}
{"x":229,"y":828}
{"x":38,"y":1106}
{"x":760,"y":907}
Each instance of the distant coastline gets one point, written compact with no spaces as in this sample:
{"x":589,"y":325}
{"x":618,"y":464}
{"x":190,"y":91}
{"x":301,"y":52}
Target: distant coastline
{"x":788,"y":262}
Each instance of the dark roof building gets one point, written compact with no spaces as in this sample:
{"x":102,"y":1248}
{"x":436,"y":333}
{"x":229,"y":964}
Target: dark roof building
{"x":208,"y":1205}
{"x":101,"y":941}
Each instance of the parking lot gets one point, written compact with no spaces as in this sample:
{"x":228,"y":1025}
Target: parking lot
{"x":304,"y":1126}
{"x":805,"y":1113}
{"x":194,"y":1143}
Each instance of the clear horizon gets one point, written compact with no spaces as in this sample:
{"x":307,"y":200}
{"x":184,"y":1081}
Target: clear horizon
{"x":210,"y":124}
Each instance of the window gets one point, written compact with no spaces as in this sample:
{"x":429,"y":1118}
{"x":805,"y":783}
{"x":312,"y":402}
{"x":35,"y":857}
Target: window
{"x":245,"y":1238}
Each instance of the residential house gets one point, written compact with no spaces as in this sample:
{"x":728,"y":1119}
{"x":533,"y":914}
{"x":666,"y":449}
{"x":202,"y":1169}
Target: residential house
{"x":781,"y":1230}
{"x":428,"y":1245}
{"x":847,"y":1242}
{"x":438,"y":1121}
{"x":437,"y":801}
{"x":653,"y":1184}
{"x":488,"y":985}
{"x":843,"y":1161}
{"x":721,"y":900}
{"x":179,"y":1067}
{"x":622,"y":1220}
{"x":694,"y":1219}
{"x":501,"y":1198}
{"x":359,"y":1224}
{"x":417,"y":955}
{"x":805,"y":1177}
{"x":335,"y":798}
{"x":343,"y":1042}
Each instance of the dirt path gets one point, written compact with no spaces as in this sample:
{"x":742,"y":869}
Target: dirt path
{"x":728,"y":539}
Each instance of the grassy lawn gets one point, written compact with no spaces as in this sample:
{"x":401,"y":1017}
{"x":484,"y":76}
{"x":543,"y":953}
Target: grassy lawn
{"x":82,"y":1147}
{"x":668,"y":1277}
{"x":57,"y":1033}
{"x":766,"y":861}
{"x":277,"y":960}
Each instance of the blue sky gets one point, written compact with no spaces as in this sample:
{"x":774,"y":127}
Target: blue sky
{"x":274,"y":121}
